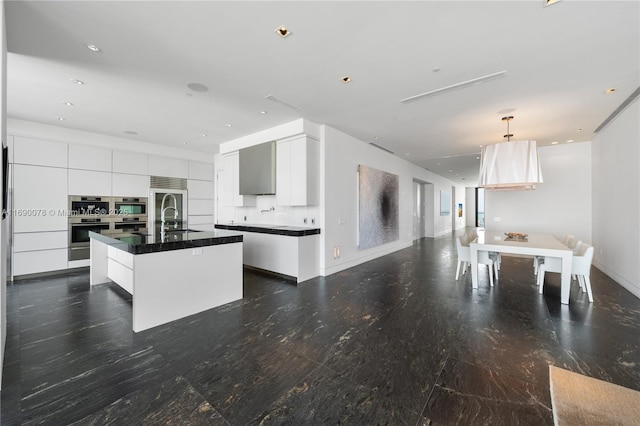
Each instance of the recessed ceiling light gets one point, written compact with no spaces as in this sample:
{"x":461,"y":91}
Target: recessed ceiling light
{"x":610,"y":90}
{"x":438,"y":164}
{"x":203,"y":135}
{"x":197,"y":87}
{"x":481,"y":146}
{"x":436,"y":69}
{"x":550,"y":2}
{"x":374,"y":137}
{"x":554,"y":143}
{"x":229,"y":125}
{"x":450,"y":171}
{"x":61,"y":118}
{"x":346,"y":79}
{"x":570,"y":140}
{"x":131,"y":132}
{"x":407,"y":153}
{"x":184,"y":143}
{"x":579,"y":130}
{"x":78,"y":82}
{"x":263,"y":112}
{"x":67,"y":103}
{"x":477,"y":158}
{"x":283,"y":31}
{"x":94,"y":48}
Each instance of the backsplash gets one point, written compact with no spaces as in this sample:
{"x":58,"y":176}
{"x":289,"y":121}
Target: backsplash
{"x":266,"y":211}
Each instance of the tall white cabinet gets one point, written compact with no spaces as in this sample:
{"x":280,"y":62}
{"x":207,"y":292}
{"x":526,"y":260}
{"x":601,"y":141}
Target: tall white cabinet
{"x":297,"y":171}
{"x":39,"y":174}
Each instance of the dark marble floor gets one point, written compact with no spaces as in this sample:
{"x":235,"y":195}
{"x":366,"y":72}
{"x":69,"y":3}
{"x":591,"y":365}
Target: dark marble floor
{"x":393,"y":341}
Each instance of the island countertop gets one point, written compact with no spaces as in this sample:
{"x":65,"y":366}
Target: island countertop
{"x":139,"y":243}
{"x":290,"y":231}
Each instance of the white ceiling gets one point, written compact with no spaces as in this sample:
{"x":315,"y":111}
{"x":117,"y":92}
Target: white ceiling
{"x":558,"y":61}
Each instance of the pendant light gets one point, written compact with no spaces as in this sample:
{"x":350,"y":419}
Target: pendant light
{"x":510,"y":165}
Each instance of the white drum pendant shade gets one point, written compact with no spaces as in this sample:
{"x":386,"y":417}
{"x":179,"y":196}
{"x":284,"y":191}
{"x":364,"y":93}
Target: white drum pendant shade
{"x":512,"y":165}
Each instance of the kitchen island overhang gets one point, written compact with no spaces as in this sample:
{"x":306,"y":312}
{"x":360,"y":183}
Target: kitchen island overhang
{"x":168,"y":280}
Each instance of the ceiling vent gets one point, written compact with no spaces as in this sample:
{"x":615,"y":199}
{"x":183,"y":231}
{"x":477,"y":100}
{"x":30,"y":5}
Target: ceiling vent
{"x":379,"y":147}
{"x":453,"y":87}
{"x":165,"y":182}
{"x":274,"y":98}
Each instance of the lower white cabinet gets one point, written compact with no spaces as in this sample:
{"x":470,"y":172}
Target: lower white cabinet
{"x":296,"y":257}
{"x":33,"y":262}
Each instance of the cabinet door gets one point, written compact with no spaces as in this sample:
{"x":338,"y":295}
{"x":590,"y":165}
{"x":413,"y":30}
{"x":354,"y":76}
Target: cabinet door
{"x":299,"y":172}
{"x":88,"y":157}
{"x":85,"y":182}
{"x":283,"y":173}
{"x":130,"y":163}
{"x":171,"y":167}
{"x":231,"y":163}
{"x":39,"y":198}
{"x":39,"y":152}
{"x":201,"y":171}
{"x":200,"y":189}
{"x":126,"y":185}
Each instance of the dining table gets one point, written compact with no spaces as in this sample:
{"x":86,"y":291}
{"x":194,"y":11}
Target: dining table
{"x":523,"y":244}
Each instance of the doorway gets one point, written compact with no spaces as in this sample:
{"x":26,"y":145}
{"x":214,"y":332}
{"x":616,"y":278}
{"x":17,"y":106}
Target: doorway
{"x":479,"y":207}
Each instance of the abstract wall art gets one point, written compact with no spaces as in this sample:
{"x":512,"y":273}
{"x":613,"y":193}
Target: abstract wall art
{"x":378,"y":207}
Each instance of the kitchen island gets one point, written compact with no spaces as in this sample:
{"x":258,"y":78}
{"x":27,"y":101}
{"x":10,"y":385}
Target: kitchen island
{"x":169,"y":278}
{"x":292,"y":251}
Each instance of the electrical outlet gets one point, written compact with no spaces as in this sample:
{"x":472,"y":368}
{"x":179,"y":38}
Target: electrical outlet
{"x":245,"y":218}
{"x":313,"y":221}
{"x":305,"y":220}
{"x":196,"y":251}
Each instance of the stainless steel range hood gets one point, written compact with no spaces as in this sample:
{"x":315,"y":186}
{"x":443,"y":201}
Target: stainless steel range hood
{"x":258,"y":169}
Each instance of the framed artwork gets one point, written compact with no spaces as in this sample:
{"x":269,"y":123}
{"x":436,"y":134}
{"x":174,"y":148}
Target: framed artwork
{"x":459,"y":209}
{"x":378,"y":207}
{"x":445,"y":203}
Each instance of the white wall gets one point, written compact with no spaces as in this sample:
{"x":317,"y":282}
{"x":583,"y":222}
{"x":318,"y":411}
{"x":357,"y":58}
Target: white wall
{"x":559,"y":206}
{"x":616,"y":199}
{"x":470,"y":214}
{"x":342,"y":155}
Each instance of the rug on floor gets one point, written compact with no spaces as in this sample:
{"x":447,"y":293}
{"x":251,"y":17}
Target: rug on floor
{"x":583,"y":400}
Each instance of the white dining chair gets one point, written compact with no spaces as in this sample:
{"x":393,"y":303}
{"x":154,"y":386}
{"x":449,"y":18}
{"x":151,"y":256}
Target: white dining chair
{"x":580,"y":266}
{"x":464,"y":258}
{"x":569,"y":241}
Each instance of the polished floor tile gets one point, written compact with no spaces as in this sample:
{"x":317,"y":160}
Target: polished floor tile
{"x":396,"y":340}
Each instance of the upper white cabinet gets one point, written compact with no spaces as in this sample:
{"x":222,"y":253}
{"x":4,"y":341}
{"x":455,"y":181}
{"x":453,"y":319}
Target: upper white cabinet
{"x":39,"y":198}
{"x":39,"y":152}
{"x":231,"y":196}
{"x":200,"y":189}
{"x":131,"y":163}
{"x":86,"y":157}
{"x":201,"y":171}
{"x":297,"y":172}
{"x":86,"y":182}
{"x":171,"y":167}
{"x":126,"y":185}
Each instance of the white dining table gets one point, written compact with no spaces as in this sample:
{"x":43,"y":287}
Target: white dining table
{"x":534,"y":245}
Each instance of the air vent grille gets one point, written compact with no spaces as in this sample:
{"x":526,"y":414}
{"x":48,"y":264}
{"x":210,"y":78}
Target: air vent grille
{"x":379,"y":147}
{"x":622,"y":106}
{"x":166,"y":182}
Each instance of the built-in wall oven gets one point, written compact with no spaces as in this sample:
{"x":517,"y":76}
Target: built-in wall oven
{"x":104,"y":215}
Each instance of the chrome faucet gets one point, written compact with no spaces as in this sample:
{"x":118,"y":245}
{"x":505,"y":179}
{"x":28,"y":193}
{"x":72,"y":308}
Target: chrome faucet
{"x":163,"y":210}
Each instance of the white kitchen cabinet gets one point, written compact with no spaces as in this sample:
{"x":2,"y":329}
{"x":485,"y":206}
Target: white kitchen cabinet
{"x":32,"y":241}
{"x":231,"y":196}
{"x":130,"y":163}
{"x":87,"y":157}
{"x":33,"y":262}
{"x":39,"y":152}
{"x":86,"y":182}
{"x":201,"y":171}
{"x":126,"y":185}
{"x":200,"y":207}
{"x":296,"y":257}
{"x":200,"y":189}
{"x":39,"y":199}
{"x":297,"y":172}
{"x":171,"y":167}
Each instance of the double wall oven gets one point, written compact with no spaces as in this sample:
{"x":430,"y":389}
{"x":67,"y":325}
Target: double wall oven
{"x":103,"y":215}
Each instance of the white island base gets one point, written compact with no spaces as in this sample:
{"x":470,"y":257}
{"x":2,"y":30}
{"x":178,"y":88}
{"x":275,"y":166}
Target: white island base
{"x":169,"y":285}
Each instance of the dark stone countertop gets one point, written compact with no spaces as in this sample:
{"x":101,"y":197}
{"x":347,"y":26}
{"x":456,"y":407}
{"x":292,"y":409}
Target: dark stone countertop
{"x":290,"y":231}
{"x":139,"y":243}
